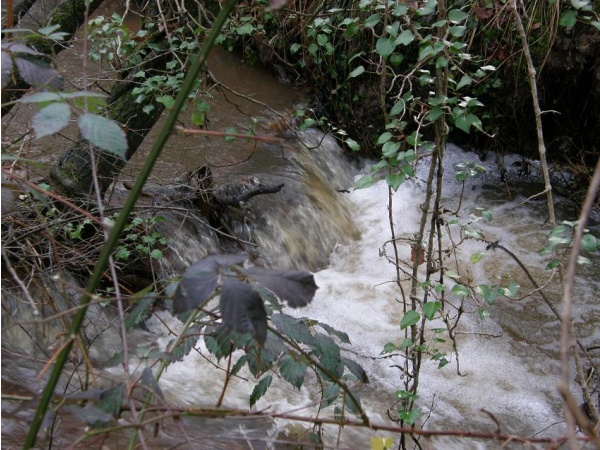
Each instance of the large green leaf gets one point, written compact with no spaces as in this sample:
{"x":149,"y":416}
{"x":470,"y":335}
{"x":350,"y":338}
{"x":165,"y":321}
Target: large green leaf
{"x":431,"y":308}
{"x":103,"y":133}
{"x":51,"y":119}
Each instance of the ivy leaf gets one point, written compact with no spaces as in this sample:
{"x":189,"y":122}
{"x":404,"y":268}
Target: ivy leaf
{"x":372,"y":20}
{"x":51,"y":119}
{"x":409,"y":417}
{"x":385,"y":47}
{"x":568,"y":19}
{"x":464,"y":81}
{"x":103,"y":133}
{"x":293,"y":369}
{"x":589,"y":243}
{"x":460,"y":290}
{"x":405,"y":38}
{"x":260,"y":389}
{"x":356,"y":72}
{"x":457,"y":16}
{"x":409,"y":319}
{"x":431,"y":308}
{"x":464,"y":122}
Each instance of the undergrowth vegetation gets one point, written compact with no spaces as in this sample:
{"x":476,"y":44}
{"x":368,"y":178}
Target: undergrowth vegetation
{"x":391,"y":80}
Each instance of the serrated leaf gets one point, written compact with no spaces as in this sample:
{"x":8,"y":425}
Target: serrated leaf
{"x":409,"y":417}
{"x":139,"y":312}
{"x":409,"y":319}
{"x":38,"y":73}
{"x":151,"y":384}
{"x":431,"y":308}
{"x":51,"y":119}
{"x":103,"y":133}
{"x":293,"y":368}
{"x":328,"y":353}
{"x":342,"y":336}
{"x":114,"y":360}
{"x":293,"y":328}
{"x":7,"y":68}
{"x":356,"y":370}
{"x":260,"y":389}
{"x":330,"y":395}
{"x":187,"y":343}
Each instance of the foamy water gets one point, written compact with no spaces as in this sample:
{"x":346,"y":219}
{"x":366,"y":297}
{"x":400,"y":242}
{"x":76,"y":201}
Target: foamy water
{"x":508,"y":362}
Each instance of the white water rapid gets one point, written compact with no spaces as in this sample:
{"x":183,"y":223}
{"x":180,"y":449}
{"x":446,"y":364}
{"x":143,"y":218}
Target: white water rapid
{"x":509,"y":365}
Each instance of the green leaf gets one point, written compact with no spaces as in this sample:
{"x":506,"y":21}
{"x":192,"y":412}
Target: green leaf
{"x":354,"y":146}
{"x":356,"y":370}
{"x":397,"y":108}
{"x":384,"y":137}
{"x":294,"y":48}
{"x":589,"y":243}
{"x":103,"y":133}
{"x":356,"y":72}
{"x":372,"y":20}
{"x":293,"y":328}
{"x":464,"y":122}
{"x":405,"y":38}
{"x":434,"y":113}
{"x":409,"y":319}
{"x":260,"y":389}
{"x":457,"y":16}
{"x":460,"y":290}
{"x":328,"y":353}
{"x":425,"y":51}
{"x":487,"y":215}
{"x":385,"y":47}
{"x":431,"y":308}
{"x":364,"y":182}
{"x":156,"y":254}
{"x":476,"y":257}
{"x":464,"y":81}
{"x":139,"y":312}
{"x":568,"y":19}
{"x":395,"y":180}
{"x":187,"y":343}
{"x":247,"y":28}
{"x":390,"y":148}
{"x":166,"y":100}
{"x":409,"y":417}
{"x":388,"y":348}
{"x":292,"y":368}
{"x":51,"y":119}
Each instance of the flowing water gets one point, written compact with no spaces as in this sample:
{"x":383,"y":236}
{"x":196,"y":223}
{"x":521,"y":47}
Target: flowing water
{"x":508,"y":362}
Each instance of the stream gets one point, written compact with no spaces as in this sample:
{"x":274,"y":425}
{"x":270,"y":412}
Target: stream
{"x":507,"y":367}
